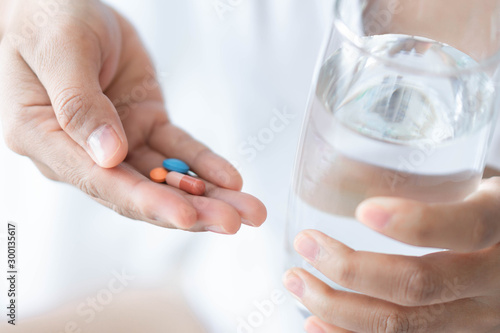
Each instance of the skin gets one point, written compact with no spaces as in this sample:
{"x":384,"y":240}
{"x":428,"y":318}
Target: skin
{"x":448,"y":292}
{"x":48,"y":117}
{"x":451,"y":291}
{"x":427,"y":18}
{"x":84,"y":68}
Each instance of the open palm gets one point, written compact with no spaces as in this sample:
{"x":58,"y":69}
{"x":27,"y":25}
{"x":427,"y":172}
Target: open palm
{"x":87,"y":73}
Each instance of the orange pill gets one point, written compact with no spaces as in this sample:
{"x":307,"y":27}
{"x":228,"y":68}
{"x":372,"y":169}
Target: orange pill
{"x":186,"y":183}
{"x":158,"y":175}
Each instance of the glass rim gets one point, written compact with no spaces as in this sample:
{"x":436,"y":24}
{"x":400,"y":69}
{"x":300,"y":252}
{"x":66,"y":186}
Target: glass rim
{"x":355,"y":40}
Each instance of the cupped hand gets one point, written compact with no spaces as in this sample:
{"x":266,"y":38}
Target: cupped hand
{"x":79,"y":96}
{"x":449,"y":291}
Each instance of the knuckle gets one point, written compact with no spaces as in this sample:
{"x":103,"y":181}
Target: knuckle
{"x":420,"y":285}
{"x":480,"y":235}
{"x":201,"y":153}
{"x":347,"y":273}
{"x":88,"y":187}
{"x":71,"y":108}
{"x":421,"y":235}
{"x":328,"y":310}
{"x":144,"y":209}
{"x":422,"y":231}
{"x":395,"y":322}
{"x":83,"y":180}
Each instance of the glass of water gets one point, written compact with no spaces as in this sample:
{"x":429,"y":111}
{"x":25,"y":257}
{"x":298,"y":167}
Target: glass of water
{"x":403,"y":105}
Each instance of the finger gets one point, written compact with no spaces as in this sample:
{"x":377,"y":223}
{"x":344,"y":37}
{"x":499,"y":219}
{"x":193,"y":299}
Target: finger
{"x":463,"y":226}
{"x":491,"y":172}
{"x":122,"y":188}
{"x":135,"y":196}
{"x":410,"y":281}
{"x":251,"y":210}
{"x":219,"y":202}
{"x":144,"y":159}
{"x":342,"y":309}
{"x":360,"y":313}
{"x":219,"y":212}
{"x":69,"y":65}
{"x":125,"y":189}
{"x":214,"y":215}
{"x":175,"y":143}
{"x":315,"y":325}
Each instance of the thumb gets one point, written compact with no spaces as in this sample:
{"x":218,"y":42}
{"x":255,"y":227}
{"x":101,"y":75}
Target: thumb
{"x":71,"y":77}
{"x":91,"y":120}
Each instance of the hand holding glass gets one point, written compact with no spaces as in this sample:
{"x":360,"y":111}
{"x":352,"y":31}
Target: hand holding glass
{"x":403,"y":106}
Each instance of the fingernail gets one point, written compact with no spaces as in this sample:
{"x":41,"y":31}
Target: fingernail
{"x":217,"y":229}
{"x":248,"y":222}
{"x":374,"y":216}
{"x":313,"y":328}
{"x":104,"y":143}
{"x":307,"y":247}
{"x":294,"y":284}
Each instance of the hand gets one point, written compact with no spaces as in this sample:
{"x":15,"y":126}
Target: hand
{"x":451,"y":291}
{"x":79,"y":97}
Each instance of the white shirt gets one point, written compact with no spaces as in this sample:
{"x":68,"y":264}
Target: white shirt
{"x":229,"y":69}
{"x":241,"y":66}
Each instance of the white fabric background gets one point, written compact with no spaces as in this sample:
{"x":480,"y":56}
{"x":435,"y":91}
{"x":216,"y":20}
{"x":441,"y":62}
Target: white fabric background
{"x":223,"y":79}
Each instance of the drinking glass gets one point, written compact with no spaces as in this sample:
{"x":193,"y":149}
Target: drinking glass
{"x":403,"y":105}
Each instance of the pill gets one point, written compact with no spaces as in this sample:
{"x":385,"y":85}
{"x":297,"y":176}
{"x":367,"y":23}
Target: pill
{"x":158,"y":175}
{"x":188,"y":184}
{"x":176,"y":165}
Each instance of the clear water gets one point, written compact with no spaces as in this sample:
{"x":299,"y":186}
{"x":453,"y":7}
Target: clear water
{"x":374,"y":131}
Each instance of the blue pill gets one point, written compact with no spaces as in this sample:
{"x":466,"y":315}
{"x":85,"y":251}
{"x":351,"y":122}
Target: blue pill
{"x":176,"y":165}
